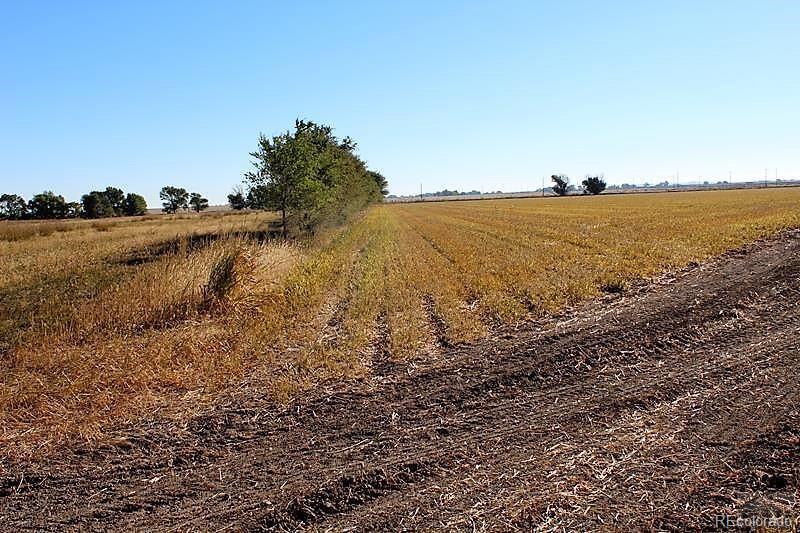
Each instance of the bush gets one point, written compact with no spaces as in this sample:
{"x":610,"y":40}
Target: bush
{"x":222,"y":276}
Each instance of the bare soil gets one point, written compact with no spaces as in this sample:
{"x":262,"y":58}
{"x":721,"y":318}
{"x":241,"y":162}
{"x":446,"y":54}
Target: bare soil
{"x":656,"y":408}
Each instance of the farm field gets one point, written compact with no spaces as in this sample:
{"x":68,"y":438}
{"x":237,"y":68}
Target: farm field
{"x":108,"y":318}
{"x":403,"y":352}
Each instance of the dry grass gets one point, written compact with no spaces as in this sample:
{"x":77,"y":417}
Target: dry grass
{"x":165,"y":312}
{"x":19,"y":231}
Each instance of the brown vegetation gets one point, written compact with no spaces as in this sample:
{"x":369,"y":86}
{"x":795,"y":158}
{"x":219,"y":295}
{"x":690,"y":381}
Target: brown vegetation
{"x":659,"y":409}
{"x":164,"y":313}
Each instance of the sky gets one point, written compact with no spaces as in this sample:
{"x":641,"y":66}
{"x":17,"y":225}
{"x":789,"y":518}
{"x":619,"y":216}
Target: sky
{"x":447,"y":94}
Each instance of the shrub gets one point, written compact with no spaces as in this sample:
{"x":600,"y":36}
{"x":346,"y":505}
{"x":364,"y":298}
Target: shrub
{"x":222,"y":276}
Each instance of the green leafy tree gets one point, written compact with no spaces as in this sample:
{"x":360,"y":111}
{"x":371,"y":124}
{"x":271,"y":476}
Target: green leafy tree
{"x":285,"y":169}
{"x":116,"y":199}
{"x":134,"y":205}
{"x":174,"y":198}
{"x":197,"y":202}
{"x":258,"y":197}
{"x":381,"y":181}
{"x":310,"y":177}
{"x":560,"y":184}
{"x":593,"y":185}
{"x":13,"y":207}
{"x":237,"y":200}
{"x":47,"y":205}
{"x":97,"y":205}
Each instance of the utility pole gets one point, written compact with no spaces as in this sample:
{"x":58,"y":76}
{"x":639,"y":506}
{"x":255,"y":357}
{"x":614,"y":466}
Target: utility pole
{"x":678,"y":179}
{"x":420,"y":192}
{"x":542,"y":186}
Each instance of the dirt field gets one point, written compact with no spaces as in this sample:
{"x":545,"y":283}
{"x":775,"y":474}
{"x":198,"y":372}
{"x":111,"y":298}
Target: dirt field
{"x":656,"y":408}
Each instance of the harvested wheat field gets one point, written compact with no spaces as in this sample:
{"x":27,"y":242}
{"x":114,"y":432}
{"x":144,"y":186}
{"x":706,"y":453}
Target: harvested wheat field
{"x":612,"y":361}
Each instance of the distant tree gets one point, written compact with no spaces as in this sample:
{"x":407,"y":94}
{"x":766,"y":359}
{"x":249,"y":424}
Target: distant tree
{"x":593,"y":185}
{"x":134,"y":205}
{"x":197,"y":202}
{"x":380,"y":180}
{"x":116,"y":198}
{"x":47,"y":205}
{"x":561,"y":184}
{"x":174,"y":198}
{"x":13,"y":207}
{"x":237,"y":200}
{"x":112,"y":202}
{"x":258,"y":197}
{"x":74,"y":210}
{"x":97,"y":205}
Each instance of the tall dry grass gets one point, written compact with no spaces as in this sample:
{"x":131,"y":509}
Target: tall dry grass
{"x":12,"y":230}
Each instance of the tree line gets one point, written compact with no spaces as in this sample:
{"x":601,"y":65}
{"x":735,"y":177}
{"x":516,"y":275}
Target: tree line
{"x":111,"y":202}
{"x":309,"y":176}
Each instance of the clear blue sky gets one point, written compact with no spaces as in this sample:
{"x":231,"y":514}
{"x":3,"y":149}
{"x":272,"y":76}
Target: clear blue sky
{"x":467,"y":95}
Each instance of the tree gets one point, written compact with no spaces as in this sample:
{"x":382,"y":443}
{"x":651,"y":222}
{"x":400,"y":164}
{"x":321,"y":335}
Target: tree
{"x":236,"y":199}
{"x":13,"y":207}
{"x":284,"y":169}
{"x":382,"y":183}
{"x":174,"y":198}
{"x":258,"y":197}
{"x":96,"y":204}
{"x":310,"y":177}
{"x":593,"y":185}
{"x":561,"y":184}
{"x":116,"y":199}
{"x":47,"y":205}
{"x":74,"y":210}
{"x":197,"y":202}
{"x":134,"y":205}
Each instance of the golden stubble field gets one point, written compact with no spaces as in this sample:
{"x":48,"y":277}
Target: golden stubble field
{"x":103,"y":321}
